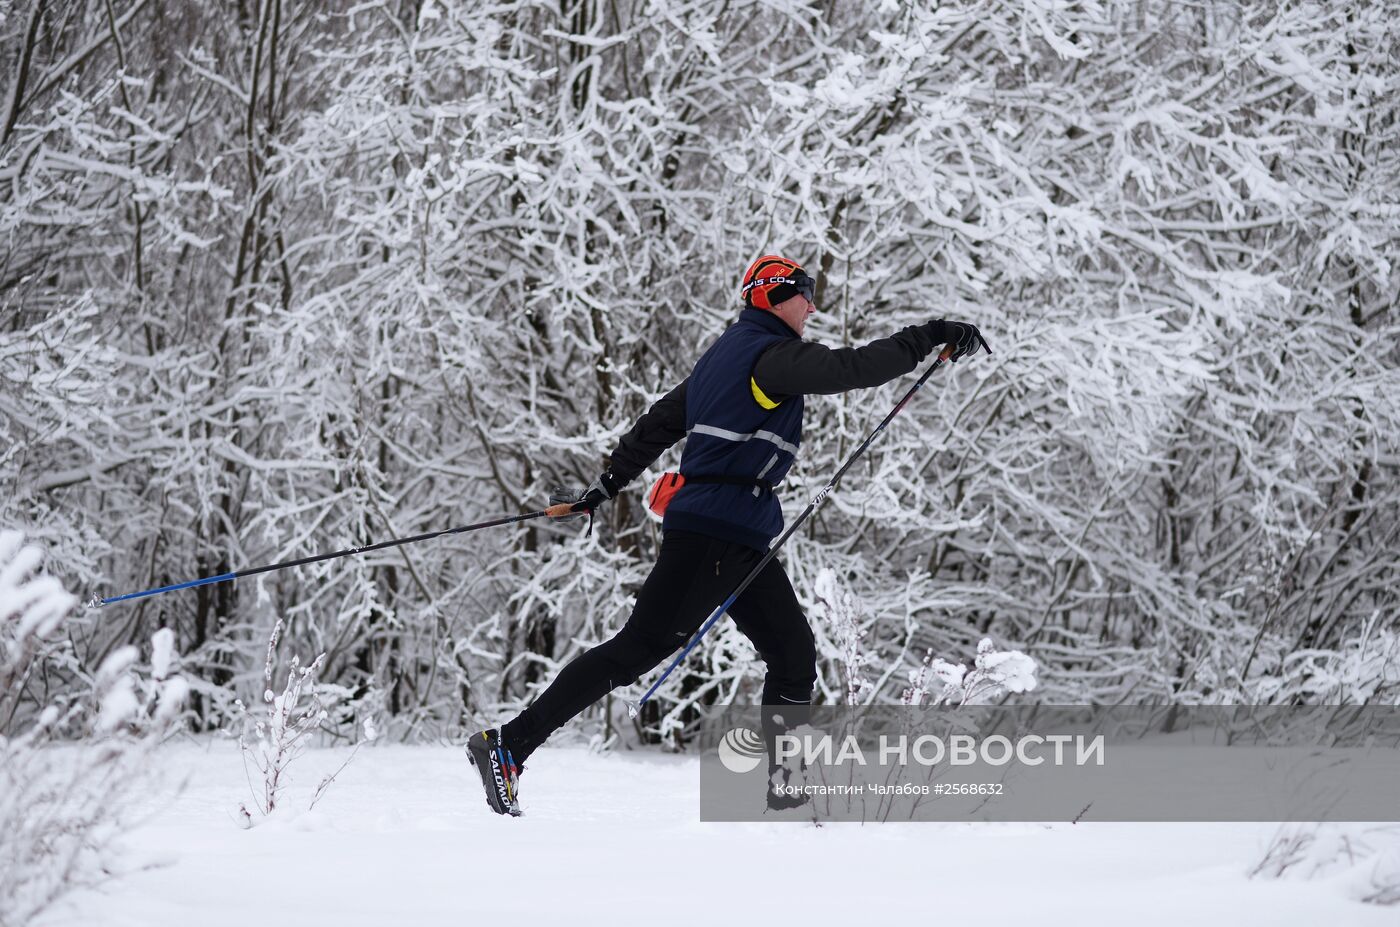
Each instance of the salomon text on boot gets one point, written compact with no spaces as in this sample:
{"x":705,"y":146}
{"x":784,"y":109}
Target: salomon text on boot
{"x":499,"y":774}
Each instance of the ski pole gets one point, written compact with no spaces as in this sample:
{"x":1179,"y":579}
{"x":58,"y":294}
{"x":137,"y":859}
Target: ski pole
{"x":633,"y":708}
{"x":98,"y":602}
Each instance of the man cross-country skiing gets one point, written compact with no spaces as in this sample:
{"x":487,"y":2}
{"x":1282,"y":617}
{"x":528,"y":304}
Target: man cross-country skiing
{"x":740,"y":413}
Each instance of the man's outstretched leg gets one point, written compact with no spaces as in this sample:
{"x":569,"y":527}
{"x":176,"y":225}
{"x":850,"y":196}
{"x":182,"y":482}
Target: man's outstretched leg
{"x":692,"y":575}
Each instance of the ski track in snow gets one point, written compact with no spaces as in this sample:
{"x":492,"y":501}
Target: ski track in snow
{"x":404,"y":837}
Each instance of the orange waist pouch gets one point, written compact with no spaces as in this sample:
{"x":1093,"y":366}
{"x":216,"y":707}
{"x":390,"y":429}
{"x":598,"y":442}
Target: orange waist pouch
{"x":663,"y":491}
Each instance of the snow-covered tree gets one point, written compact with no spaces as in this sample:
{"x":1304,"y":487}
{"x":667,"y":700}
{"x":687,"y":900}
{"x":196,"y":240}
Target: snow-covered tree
{"x":277,"y":279}
{"x":71,"y":756}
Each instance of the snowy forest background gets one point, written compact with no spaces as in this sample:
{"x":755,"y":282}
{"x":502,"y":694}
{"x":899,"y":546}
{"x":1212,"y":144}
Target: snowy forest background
{"x":283,"y":277}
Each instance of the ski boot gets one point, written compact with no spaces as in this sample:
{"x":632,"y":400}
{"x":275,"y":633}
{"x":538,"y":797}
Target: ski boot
{"x":499,"y":774}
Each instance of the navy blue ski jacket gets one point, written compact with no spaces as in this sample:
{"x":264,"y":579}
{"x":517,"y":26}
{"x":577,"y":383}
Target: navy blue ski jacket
{"x":740,"y":411}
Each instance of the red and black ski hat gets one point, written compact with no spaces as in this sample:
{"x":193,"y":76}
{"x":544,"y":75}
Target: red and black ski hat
{"x":771,"y":280}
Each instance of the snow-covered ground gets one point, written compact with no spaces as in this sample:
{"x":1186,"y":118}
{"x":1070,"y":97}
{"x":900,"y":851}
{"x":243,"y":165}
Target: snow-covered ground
{"x":404,"y":837}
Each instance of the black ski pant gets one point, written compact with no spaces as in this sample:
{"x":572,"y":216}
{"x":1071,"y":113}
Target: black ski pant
{"x":693,"y":575}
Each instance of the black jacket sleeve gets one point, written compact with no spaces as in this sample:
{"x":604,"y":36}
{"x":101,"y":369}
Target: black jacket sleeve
{"x":659,"y":427}
{"x":797,"y":368}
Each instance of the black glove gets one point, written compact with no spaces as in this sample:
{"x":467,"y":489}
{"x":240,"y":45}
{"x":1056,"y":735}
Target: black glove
{"x":963,"y":337}
{"x":599,"y":491}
